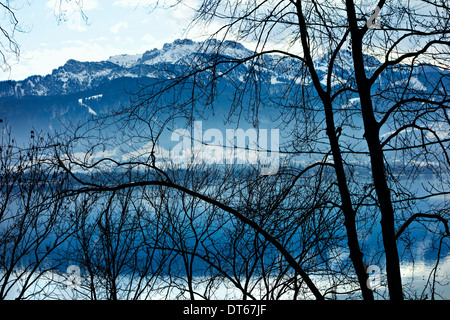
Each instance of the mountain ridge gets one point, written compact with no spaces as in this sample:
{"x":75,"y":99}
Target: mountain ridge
{"x":45,"y":99}
{"x":182,"y":54}
{"x":76,"y":75}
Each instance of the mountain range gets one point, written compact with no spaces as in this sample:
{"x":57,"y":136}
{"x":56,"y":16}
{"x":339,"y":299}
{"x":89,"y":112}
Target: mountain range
{"x":78,"y":90}
{"x":76,"y":76}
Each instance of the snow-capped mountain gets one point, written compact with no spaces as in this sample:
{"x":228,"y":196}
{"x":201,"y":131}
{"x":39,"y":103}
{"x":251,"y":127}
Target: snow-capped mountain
{"x":84,"y":89}
{"x":76,"y":76}
{"x":173,"y":59}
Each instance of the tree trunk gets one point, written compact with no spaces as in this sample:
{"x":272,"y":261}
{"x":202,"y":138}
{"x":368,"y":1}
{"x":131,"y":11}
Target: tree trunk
{"x":371,"y":135}
{"x":349,"y":213}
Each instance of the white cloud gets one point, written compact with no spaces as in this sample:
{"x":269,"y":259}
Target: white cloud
{"x":116,"y":28}
{"x":72,"y":6}
{"x":148,"y":38}
{"x":134,"y":3}
{"x":124,"y":40}
{"x":72,"y":12}
{"x":42,"y":61}
{"x":183,"y":11}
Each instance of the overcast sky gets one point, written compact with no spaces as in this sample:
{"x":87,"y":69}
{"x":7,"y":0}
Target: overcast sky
{"x":112,"y":27}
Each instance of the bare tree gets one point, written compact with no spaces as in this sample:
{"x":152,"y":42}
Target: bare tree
{"x":33,"y":226}
{"x":10,"y":25}
{"x":396,"y":114}
{"x":363,"y":110}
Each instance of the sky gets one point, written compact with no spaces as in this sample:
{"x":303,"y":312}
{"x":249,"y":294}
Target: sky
{"x":108,"y":28}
